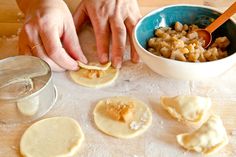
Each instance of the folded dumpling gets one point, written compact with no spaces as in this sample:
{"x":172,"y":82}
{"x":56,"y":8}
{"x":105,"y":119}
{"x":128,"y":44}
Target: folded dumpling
{"x":209,"y":138}
{"x":187,"y":108}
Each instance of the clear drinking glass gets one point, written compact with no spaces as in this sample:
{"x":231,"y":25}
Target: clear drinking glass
{"x":26,"y":89}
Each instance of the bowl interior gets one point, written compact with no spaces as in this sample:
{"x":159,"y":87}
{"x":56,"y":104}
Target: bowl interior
{"x":185,"y":14}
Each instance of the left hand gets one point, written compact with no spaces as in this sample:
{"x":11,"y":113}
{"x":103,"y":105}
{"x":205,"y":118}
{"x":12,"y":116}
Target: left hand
{"x":117,"y":17}
{"x":49,"y":33}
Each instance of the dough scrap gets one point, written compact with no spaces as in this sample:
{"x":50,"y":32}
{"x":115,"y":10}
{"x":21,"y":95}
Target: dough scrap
{"x":28,"y":106}
{"x":94,"y":78}
{"x":95,"y":66}
{"x":52,"y":137}
{"x":186,"y":108}
{"x":133,"y":126}
{"x":208,"y":139}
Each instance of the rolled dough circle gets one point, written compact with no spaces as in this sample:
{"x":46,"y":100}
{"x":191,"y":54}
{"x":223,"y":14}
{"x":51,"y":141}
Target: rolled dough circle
{"x":140,"y":122}
{"x":52,"y":137}
{"x":80,"y":78}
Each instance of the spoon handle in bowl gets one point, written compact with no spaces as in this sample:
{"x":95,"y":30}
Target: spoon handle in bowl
{"x":224,"y":17}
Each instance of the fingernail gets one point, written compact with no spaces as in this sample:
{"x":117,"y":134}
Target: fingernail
{"x":135,"y":60}
{"x":117,"y":63}
{"x":118,"y":66}
{"x":83,"y":59}
{"x":103,"y":58}
{"x":75,"y":66}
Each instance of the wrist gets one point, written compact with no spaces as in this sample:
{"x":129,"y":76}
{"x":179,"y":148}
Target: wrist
{"x":29,"y":5}
{"x":24,"y":5}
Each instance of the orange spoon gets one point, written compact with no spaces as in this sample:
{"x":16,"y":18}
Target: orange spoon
{"x":205,"y":34}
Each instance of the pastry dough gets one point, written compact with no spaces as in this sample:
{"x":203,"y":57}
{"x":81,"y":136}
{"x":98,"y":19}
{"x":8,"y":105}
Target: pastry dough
{"x":28,"y":106}
{"x":52,"y":137}
{"x":209,"y":138}
{"x":189,"y":108}
{"x":94,"y":78}
{"x":132,"y":124}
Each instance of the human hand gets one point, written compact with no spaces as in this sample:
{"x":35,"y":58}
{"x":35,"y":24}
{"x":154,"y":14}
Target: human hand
{"x":49,"y":33}
{"x":117,"y":17}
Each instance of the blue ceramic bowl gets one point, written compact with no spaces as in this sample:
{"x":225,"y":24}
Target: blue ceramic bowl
{"x":186,"y":14}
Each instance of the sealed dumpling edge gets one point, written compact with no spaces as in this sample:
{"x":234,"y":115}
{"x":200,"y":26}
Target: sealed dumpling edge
{"x":208,"y":139}
{"x":186,"y":108}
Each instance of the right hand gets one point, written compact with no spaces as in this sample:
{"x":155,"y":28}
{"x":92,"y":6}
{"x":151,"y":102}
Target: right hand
{"x":113,"y":19}
{"x":49,"y":33}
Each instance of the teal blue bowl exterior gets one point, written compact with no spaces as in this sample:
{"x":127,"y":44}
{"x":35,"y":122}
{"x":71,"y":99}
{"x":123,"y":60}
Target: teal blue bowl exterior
{"x":185,"y":14}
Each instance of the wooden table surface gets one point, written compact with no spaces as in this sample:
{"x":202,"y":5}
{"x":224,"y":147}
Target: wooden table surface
{"x":9,"y":11}
{"x":10,"y":135}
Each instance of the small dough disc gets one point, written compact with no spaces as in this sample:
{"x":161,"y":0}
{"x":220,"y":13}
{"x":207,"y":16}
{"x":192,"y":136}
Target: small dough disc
{"x":81,"y":77}
{"x":52,"y":137}
{"x":140,"y":122}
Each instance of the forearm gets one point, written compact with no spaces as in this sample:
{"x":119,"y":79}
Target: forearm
{"x":27,"y":5}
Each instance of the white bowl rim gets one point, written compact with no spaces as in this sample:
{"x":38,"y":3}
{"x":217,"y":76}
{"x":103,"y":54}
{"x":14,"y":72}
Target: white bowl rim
{"x":176,"y":61}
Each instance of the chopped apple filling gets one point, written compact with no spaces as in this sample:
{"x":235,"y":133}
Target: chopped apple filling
{"x":92,"y":74}
{"x":120,"y":111}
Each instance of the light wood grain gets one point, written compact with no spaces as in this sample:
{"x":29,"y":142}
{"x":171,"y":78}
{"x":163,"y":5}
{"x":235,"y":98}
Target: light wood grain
{"x":9,"y":11}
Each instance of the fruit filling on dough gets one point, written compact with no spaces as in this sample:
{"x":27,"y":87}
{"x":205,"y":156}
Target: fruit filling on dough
{"x":122,"y":116}
{"x":120,"y":111}
{"x":92,"y":74}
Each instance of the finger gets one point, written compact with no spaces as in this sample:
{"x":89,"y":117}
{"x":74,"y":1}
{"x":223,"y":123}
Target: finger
{"x":80,"y":16}
{"x":23,"y":48}
{"x":118,"y":40}
{"x":71,"y":43}
{"x":130,"y":24}
{"x":102,"y":35}
{"x":40,"y":52}
{"x":37,"y":49}
{"x":52,"y":44}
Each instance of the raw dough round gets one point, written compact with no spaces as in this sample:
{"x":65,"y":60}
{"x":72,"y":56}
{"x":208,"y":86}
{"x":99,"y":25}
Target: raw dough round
{"x":52,"y":137}
{"x":81,"y":77}
{"x":139,"y":122}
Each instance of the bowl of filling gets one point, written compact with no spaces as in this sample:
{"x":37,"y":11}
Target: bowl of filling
{"x":166,"y":40}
